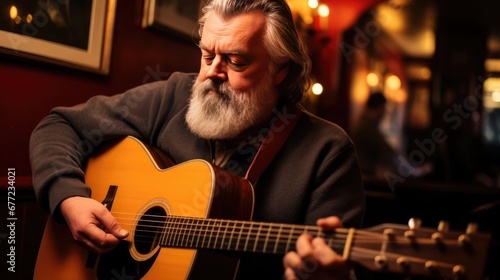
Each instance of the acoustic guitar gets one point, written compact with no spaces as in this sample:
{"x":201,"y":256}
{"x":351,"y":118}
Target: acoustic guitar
{"x":191,"y":220}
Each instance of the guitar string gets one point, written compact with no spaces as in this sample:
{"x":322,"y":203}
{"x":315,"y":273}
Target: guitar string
{"x":274,"y":241}
{"x":211,"y":228}
{"x":252,"y":236}
{"x":335,"y":239}
{"x":286,"y":237}
{"x":212,"y":223}
{"x":275,"y":234}
{"x":177,"y":220}
{"x":357,"y":252}
{"x":206,"y":241}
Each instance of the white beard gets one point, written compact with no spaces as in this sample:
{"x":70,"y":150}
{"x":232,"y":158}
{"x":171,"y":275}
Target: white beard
{"x":216,"y":111}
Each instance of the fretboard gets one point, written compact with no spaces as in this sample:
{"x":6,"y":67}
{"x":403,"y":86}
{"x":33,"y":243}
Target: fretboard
{"x":242,"y":236}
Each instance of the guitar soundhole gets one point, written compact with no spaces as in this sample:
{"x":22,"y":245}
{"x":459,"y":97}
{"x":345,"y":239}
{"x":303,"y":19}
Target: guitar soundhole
{"x":149,"y":228}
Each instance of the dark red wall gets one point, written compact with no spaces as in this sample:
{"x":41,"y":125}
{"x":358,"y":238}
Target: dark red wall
{"x":28,"y":90}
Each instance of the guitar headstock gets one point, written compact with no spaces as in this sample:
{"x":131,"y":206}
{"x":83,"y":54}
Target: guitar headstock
{"x":437,"y":253}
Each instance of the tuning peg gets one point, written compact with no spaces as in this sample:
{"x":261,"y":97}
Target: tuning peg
{"x":403,"y":262}
{"x":458,"y":270}
{"x":389,"y":232}
{"x":410,"y":234}
{"x":380,"y":261}
{"x":443,"y":226}
{"x":437,"y":236}
{"x":430,"y":265}
{"x":414,"y":223}
{"x":463,"y":239}
{"x":471,"y":228}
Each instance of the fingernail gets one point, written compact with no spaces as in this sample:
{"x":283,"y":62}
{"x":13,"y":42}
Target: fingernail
{"x":123,"y":233}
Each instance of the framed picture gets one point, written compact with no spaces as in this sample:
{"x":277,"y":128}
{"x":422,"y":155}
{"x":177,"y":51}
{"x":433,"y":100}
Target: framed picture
{"x":176,"y":17}
{"x":76,"y":34}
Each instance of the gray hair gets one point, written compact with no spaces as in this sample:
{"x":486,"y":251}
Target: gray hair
{"x":282,"y":41}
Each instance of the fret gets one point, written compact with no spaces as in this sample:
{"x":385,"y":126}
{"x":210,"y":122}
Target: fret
{"x":231,"y":237}
{"x":175,"y":232}
{"x":178,"y":231}
{"x":277,"y":240}
{"x":217,"y":227}
{"x":239,"y":235}
{"x":289,"y":238}
{"x":226,"y":225}
{"x":247,"y":237}
{"x":187,"y":232}
{"x":195,"y":229}
{"x":257,"y":239}
{"x":210,"y":227}
{"x":203,"y":233}
{"x":330,"y":239}
{"x":171,"y":232}
{"x":306,"y":229}
{"x":164,"y":233}
{"x":269,"y":229}
{"x":204,"y":230}
{"x":319,"y":232}
{"x":182,"y":231}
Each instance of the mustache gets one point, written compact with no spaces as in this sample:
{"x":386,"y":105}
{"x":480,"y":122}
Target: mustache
{"x":222,"y":89}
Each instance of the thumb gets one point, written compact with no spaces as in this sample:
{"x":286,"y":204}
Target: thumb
{"x":111,"y":226}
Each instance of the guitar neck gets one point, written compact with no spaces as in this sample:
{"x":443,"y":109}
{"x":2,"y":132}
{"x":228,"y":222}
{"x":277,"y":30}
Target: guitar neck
{"x":241,"y":236}
{"x":386,"y":247}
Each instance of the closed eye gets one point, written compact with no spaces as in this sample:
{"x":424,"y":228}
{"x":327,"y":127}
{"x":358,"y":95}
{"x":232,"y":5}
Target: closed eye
{"x":208,"y":59}
{"x":237,"y":66}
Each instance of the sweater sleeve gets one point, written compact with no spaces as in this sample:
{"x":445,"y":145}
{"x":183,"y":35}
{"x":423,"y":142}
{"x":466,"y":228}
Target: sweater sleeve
{"x":340,"y":189}
{"x":336,"y":186}
{"x":62,"y":141}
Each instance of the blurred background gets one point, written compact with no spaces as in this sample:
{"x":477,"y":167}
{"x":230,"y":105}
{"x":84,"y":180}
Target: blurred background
{"x":436,"y":62}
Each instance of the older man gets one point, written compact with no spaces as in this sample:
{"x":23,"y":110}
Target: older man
{"x":254,"y":71}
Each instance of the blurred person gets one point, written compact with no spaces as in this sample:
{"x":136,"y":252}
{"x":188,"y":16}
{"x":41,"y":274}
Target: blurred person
{"x":377,"y":158}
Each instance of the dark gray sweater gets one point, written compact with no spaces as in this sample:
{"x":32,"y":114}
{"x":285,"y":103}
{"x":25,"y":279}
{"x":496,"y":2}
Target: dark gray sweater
{"x":314,"y":175}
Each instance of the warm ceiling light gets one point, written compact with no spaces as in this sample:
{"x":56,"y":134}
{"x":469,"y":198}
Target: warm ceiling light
{"x":317,"y":89}
{"x":495,"y":96}
{"x":313,"y":4}
{"x":323,"y":10}
{"x":425,"y":73}
{"x":491,"y":91}
{"x":13,"y":12}
{"x":372,"y":79}
{"x":393,"y":82}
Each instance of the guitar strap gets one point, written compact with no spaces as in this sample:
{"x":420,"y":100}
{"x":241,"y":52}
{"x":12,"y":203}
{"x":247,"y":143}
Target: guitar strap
{"x":281,"y":126}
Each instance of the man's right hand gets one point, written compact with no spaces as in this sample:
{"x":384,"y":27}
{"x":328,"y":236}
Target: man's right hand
{"x":92,"y":224}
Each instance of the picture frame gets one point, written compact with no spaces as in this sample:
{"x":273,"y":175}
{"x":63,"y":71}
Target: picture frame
{"x":76,"y":34}
{"x":175,"y":17}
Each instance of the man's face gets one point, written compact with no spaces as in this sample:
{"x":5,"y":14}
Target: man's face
{"x":237,"y":84}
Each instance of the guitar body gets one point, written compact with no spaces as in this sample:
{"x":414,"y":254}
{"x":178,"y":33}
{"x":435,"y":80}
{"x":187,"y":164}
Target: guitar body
{"x":138,"y":186}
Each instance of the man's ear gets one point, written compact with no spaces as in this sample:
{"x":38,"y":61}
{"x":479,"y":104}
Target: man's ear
{"x":281,"y":74}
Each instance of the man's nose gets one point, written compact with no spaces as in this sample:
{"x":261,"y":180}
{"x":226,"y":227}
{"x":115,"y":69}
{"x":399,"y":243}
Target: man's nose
{"x":217,"y":70}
